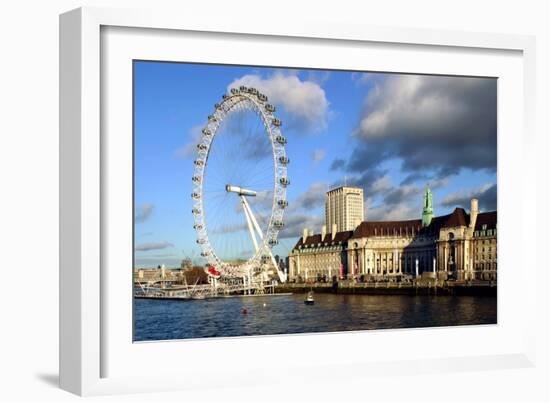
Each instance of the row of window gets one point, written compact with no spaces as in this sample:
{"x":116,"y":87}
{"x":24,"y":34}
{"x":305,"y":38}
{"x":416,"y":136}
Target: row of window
{"x":489,"y":232}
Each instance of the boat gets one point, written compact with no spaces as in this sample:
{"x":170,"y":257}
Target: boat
{"x":309,"y":299}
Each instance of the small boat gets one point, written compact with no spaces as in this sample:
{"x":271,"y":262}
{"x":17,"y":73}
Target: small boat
{"x":309,"y":299}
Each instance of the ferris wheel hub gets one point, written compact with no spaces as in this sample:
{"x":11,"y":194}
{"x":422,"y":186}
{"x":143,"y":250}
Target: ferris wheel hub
{"x":240,"y":191}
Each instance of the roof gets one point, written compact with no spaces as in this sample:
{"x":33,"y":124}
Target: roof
{"x":489,"y":218}
{"x":458,"y":218}
{"x":387,"y":228}
{"x":316,"y":239}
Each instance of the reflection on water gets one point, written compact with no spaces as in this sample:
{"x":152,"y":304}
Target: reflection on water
{"x":222,"y":317}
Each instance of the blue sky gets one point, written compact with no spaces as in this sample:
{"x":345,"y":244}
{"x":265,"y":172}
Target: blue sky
{"x":388,"y":133}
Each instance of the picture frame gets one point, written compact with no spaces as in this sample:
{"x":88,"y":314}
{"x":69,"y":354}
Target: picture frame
{"x":94,"y":342}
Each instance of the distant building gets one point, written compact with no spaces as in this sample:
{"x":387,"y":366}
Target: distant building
{"x":458,"y":246}
{"x":186,"y":264}
{"x":344,"y":207}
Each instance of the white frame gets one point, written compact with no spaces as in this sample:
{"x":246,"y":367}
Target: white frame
{"x":81,"y":307}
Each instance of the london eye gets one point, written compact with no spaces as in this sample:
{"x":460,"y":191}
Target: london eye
{"x":239,"y":185}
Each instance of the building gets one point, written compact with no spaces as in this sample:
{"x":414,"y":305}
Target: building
{"x":457,"y":246}
{"x":344,"y":207}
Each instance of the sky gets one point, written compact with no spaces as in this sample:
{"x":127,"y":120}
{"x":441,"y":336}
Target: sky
{"x":391,"y":134}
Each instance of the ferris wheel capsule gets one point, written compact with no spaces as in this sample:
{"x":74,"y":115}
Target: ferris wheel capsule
{"x":282,"y":203}
{"x":284,"y":160}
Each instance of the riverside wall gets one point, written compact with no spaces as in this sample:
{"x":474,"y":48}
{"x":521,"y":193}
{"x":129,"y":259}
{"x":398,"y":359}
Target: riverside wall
{"x":419,"y":288}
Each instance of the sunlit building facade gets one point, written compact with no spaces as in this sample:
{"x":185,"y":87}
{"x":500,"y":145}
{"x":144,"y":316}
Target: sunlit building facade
{"x":458,"y":246}
{"x":344,"y":206}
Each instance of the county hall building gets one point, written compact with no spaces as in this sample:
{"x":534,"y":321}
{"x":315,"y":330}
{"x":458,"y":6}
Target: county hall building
{"x":460,"y":246}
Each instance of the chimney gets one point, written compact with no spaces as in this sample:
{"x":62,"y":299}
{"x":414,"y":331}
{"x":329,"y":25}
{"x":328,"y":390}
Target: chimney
{"x":304,"y":235}
{"x":323,"y":232}
{"x":473,"y":212}
{"x":334,"y":230}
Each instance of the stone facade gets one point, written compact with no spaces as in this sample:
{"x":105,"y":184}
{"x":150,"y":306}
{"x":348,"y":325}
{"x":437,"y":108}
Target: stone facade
{"x":457,"y":246}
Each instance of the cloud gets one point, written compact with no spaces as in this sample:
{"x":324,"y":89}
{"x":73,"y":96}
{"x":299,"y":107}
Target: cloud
{"x":312,"y":198}
{"x":337,"y":164}
{"x":230,"y":228}
{"x":143,"y":212}
{"x":318,"y":155}
{"x":387,"y":212}
{"x":305,"y":102}
{"x":190,"y":148}
{"x":398,"y":195}
{"x":385,"y":201}
{"x":295,"y":224}
{"x":486,"y":195}
{"x":430,"y":123}
{"x":370,"y":180}
{"x":152,"y":246}
{"x":362,"y":78}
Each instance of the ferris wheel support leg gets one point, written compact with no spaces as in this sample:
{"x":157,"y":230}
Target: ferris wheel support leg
{"x":248,"y":212}
{"x":249,"y":222}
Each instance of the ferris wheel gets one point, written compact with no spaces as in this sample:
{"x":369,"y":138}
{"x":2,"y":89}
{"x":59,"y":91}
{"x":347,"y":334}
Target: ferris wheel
{"x":239,"y":184}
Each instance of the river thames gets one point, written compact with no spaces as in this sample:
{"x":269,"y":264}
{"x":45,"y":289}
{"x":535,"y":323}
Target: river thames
{"x":285,"y":314}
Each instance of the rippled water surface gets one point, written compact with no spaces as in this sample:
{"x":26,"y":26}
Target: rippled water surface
{"x":222,"y":317}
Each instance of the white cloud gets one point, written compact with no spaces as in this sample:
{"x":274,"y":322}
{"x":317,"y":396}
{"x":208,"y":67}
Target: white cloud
{"x":318,"y":155}
{"x":362,"y":78}
{"x":381,"y":185}
{"x":486,"y":195}
{"x":153,"y":246}
{"x":189,"y":149}
{"x":391,"y":212}
{"x":305,"y":102}
{"x":143,"y":212}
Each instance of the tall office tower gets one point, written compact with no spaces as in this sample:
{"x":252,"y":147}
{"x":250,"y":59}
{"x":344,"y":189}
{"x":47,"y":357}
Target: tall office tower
{"x":344,"y":207}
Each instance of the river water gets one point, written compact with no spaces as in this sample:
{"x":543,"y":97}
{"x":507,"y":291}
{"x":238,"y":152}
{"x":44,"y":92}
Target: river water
{"x":283,"y":314}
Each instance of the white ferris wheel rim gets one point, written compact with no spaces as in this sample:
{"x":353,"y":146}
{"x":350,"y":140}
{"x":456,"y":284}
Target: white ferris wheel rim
{"x":241,"y":99}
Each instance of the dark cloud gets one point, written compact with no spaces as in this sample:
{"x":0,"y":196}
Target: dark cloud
{"x":368,"y":181}
{"x":401,"y":194}
{"x":153,"y":246}
{"x":311,"y":198}
{"x":338,"y":163}
{"x":143,"y":212}
{"x":486,"y":195}
{"x":436,"y":124}
{"x":416,"y":177}
{"x":295,"y":224}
